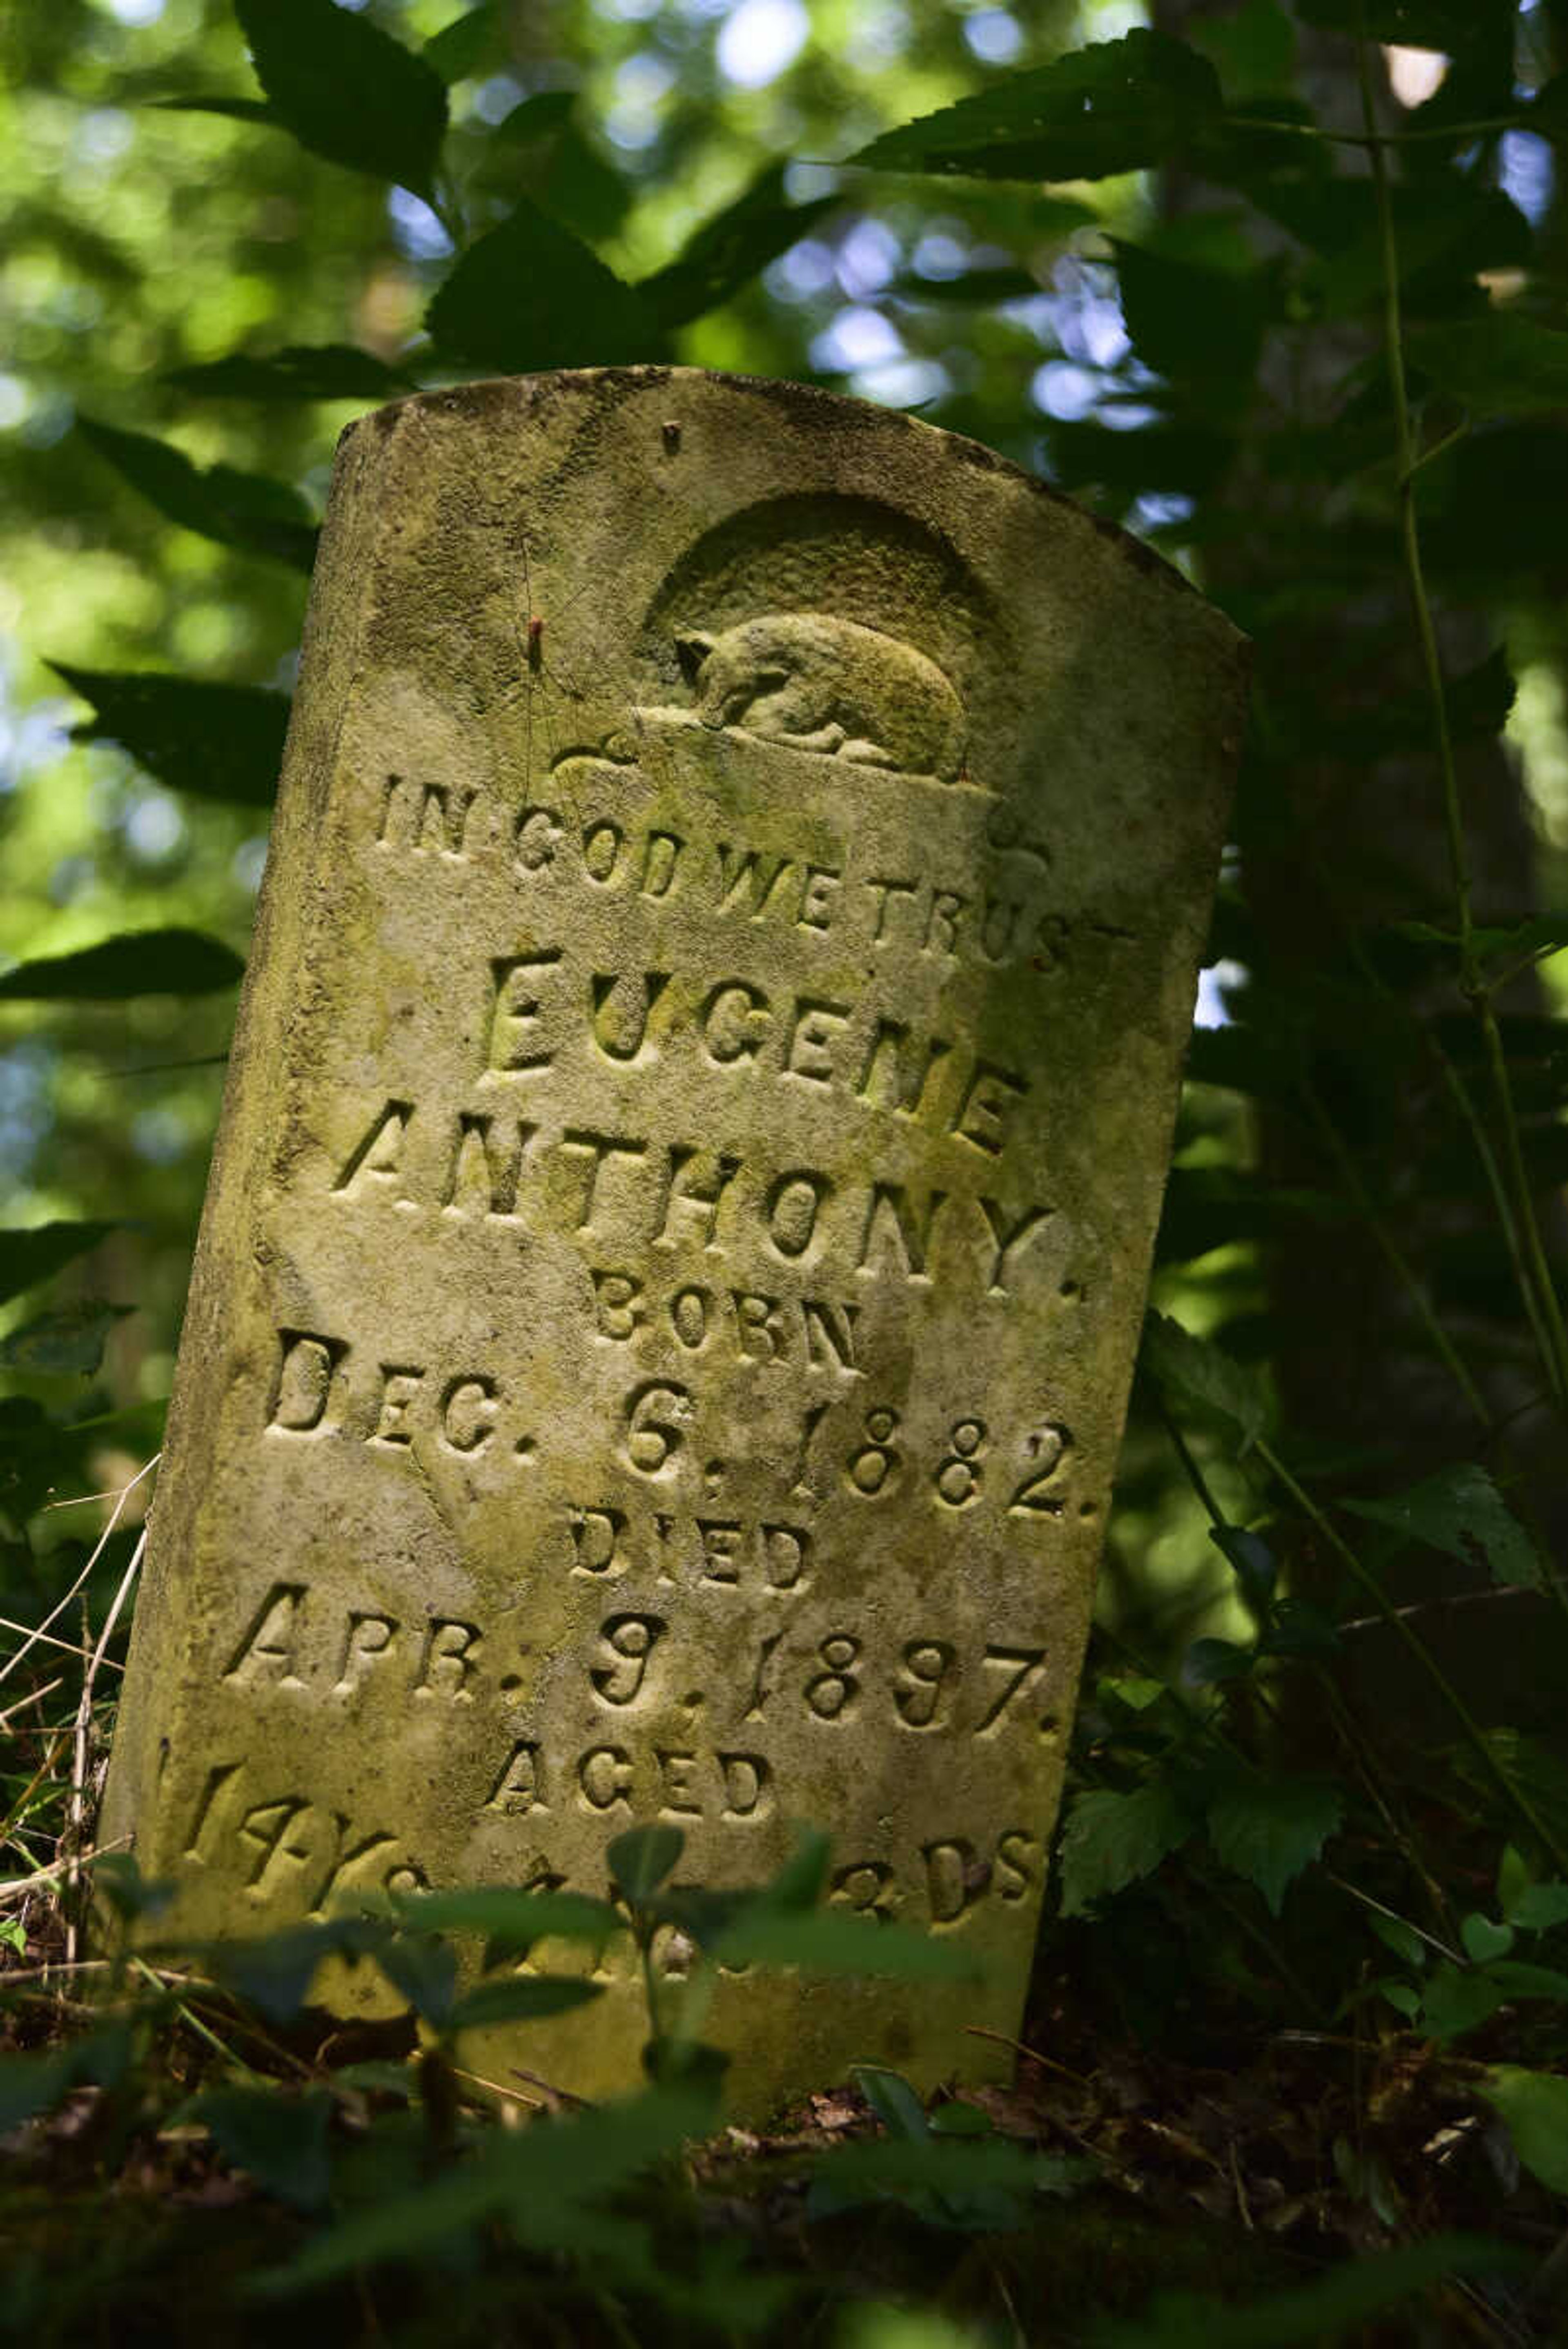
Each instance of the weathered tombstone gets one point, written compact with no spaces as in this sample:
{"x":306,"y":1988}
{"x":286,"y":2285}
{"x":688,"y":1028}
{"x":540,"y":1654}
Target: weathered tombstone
{"x":666,"y":1301}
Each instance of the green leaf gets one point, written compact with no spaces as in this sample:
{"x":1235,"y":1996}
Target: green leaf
{"x":423,"y":1970}
{"x":531,"y":295}
{"x":1521,"y":1980}
{"x":299,"y":371}
{"x":958,"y":2119}
{"x":465,"y":46}
{"x":640,"y":1860}
{"x":275,"y":1971}
{"x":280,"y":2140}
{"x":136,"y":962}
{"x":1402,"y":1996}
{"x":728,"y":251}
{"x":1111,"y":1841}
{"x":1268,"y":1828}
{"x":521,"y":1998}
{"x":1120,"y":106}
{"x":1538,"y":1908}
{"x":1402,"y":1938}
{"x":983,"y":2185}
{"x":1500,"y":365}
{"x":894,"y":2101}
{"x":833,"y":1942}
{"x":512,"y":1916}
{"x":1311,"y":2316}
{"x":239,"y":109}
{"x":546,"y":2179}
{"x":1196,"y":325}
{"x":1482,"y":1938}
{"x":1208,"y":1662}
{"x":68,"y":1342}
{"x":1197,"y":1372}
{"x":1457,"y":2000}
{"x":1445,"y":25}
{"x":1535,"y":2106}
{"x":215,"y":741}
{"x":36,"y":2082}
{"x":32,"y":1253}
{"x":246,"y":511}
{"x":1256,"y":1567}
{"x":346,"y":90}
{"x":1462,"y":1513}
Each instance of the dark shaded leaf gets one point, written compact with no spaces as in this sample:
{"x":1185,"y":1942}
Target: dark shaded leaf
{"x":299,"y":371}
{"x":1120,"y":106}
{"x":1209,"y":1662}
{"x":346,"y":90}
{"x":1445,"y":25}
{"x":136,"y":962}
{"x":894,"y":2101}
{"x":1311,"y":2314}
{"x":240,"y":109}
{"x":640,"y":1860}
{"x":68,"y":1342}
{"x":1110,"y":1840}
{"x":465,"y":46}
{"x":1256,"y":1566}
{"x":1268,"y":1829}
{"x":1197,"y":1372}
{"x":35,"y":1254}
{"x":36,"y":2082}
{"x":521,"y":1998}
{"x":984,"y":2185}
{"x":728,"y":251}
{"x":422,"y":1969}
{"x":1299,"y":1628}
{"x":275,"y":1971}
{"x":240,"y":509}
{"x":215,"y":741}
{"x":515,"y":1917}
{"x":1460,"y":1512}
{"x":1501,"y":364}
{"x":279,"y":2140}
{"x":1208,"y":1207}
{"x":1195,"y":325}
{"x":531,"y":295}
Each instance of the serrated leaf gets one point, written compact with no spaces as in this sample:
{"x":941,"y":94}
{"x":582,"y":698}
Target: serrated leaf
{"x":1119,"y":105}
{"x":346,"y":89}
{"x":728,"y":251}
{"x":1195,"y":1371}
{"x":521,"y":1998}
{"x":278,"y":2139}
{"x":531,"y":295}
{"x":833,"y":1942}
{"x":215,"y":741}
{"x":1110,"y":1840}
{"x":1267,"y":1829}
{"x":1462,"y":1513}
{"x":32,"y":1254}
{"x":68,"y":1342}
{"x":1535,"y":2106}
{"x":1501,"y":364}
{"x":298,"y":371}
{"x":136,"y":962}
{"x":246,"y":510}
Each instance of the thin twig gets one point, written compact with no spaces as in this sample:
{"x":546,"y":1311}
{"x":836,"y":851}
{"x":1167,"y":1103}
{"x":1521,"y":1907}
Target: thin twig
{"x":76,"y":1814}
{"x":9,"y":1666}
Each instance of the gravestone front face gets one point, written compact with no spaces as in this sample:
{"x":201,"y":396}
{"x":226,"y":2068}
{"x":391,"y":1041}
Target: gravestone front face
{"x":669,"y":1285}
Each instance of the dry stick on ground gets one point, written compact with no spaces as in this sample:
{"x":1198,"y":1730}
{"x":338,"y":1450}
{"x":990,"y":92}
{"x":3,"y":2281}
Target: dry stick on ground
{"x":76,"y":1818}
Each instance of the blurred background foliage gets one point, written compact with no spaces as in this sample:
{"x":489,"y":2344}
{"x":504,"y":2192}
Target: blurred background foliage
{"x":144,"y":238}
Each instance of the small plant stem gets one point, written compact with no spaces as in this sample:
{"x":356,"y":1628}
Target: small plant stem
{"x":1418,"y":1648}
{"x":1403,"y":1272}
{"x":1472,"y":984}
{"x":1461,"y":1095}
{"x":1195,"y":1475}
